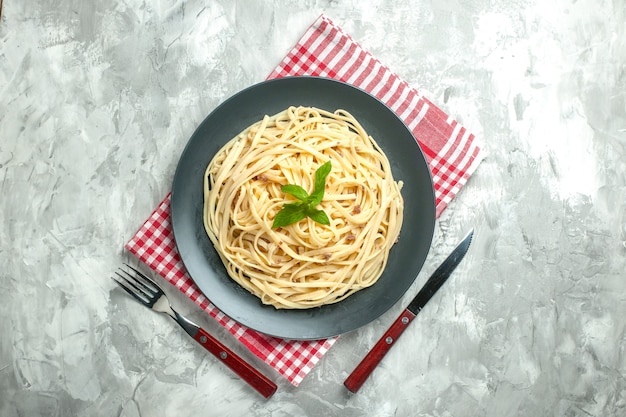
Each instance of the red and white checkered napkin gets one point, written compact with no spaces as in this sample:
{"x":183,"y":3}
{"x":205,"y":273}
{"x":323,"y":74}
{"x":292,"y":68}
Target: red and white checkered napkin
{"x":325,"y":50}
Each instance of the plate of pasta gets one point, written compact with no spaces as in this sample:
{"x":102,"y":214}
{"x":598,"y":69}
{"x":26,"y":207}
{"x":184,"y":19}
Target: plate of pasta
{"x":303,"y":208}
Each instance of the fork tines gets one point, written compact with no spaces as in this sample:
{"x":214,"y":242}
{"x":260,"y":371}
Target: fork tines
{"x":140,"y":286}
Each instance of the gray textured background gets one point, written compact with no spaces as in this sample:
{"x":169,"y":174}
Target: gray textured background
{"x":98,"y":98}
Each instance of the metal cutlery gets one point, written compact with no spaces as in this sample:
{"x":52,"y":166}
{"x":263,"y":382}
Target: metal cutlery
{"x":356,"y":379}
{"x":148,"y":293}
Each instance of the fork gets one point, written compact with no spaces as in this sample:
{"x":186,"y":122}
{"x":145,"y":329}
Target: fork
{"x":147,"y":292}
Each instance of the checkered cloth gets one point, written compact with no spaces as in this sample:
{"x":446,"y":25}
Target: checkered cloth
{"x":325,"y":50}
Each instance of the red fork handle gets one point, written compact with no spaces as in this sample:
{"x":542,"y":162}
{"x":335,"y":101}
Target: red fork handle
{"x":363,"y":370}
{"x":256,"y":379}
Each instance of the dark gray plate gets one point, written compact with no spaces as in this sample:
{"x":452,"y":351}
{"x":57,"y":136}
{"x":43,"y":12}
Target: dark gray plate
{"x":407,"y":162}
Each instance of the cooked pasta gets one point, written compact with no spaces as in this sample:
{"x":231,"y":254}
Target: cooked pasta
{"x":305,"y":264}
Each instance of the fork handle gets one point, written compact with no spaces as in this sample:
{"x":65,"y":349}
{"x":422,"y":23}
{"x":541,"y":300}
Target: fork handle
{"x":238,"y":365}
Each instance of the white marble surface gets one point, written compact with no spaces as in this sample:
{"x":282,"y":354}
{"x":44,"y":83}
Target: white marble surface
{"x":98,"y":98}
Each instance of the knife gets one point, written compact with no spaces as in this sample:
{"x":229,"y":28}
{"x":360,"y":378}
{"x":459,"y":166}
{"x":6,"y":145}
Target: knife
{"x":436,"y":280}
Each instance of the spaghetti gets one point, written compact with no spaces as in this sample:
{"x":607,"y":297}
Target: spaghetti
{"x":305,"y":264}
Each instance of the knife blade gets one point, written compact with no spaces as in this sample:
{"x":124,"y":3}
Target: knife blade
{"x":356,"y":379}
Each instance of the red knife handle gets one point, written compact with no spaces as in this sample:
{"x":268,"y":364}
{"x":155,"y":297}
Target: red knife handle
{"x":376,"y":354}
{"x":242,"y":368}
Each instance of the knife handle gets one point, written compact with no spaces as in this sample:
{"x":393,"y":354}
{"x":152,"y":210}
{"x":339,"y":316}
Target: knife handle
{"x":256,"y":379}
{"x":376,"y":354}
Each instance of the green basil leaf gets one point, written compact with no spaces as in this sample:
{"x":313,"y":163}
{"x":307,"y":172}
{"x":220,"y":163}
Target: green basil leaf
{"x":320,"y":183}
{"x":294,"y":212}
{"x":296,"y":191}
{"x":289,"y":214}
{"x":317,"y":215}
